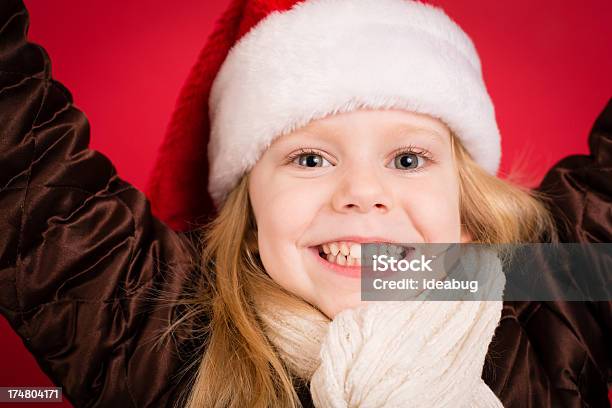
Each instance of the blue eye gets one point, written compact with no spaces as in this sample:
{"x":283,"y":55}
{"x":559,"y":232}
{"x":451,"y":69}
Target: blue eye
{"x":310,"y":159}
{"x":408,"y":161}
{"x":411,"y":158}
{"x":404,"y":160}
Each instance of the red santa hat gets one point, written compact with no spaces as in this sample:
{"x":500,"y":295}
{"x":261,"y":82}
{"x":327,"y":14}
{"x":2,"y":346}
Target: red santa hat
{"x":272,"y":66}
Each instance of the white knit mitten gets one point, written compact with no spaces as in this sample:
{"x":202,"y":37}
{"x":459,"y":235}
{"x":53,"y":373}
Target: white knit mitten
{"x":400,"y":354}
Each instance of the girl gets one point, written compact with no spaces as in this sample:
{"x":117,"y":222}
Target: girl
{"x":332,"y":123}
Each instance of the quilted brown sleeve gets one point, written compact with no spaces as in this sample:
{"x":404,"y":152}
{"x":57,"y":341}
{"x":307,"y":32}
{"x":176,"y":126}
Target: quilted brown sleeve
{"x":83,"y":263}
{"x":581,"y":190}
{"x":581,"y":187}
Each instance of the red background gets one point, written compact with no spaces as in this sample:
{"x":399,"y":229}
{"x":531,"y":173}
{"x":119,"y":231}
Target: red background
{"x":547,"y":65}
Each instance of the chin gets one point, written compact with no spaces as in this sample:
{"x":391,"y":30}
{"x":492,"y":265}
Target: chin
{"x":338,"y":304}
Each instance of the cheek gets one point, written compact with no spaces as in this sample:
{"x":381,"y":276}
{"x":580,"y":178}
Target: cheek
{"x":283,"y":211}
{"x":433,"y":208}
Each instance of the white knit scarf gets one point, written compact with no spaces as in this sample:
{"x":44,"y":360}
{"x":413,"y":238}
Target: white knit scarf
{"x":393,"y":353}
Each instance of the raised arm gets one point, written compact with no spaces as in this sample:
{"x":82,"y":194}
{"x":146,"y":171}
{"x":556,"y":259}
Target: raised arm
{"x":83,"y":263}
{"x":580,"y":187}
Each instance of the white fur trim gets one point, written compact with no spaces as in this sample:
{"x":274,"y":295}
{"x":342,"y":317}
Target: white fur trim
{"x":327,"y":56}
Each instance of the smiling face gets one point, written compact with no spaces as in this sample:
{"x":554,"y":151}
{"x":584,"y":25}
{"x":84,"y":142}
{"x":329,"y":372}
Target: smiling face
{"x":357,"y":177}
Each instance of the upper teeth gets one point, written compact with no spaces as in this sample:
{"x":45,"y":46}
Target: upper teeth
{"x":354,"y":249}
{"x":345,"y":248}
{"x":349,"y":253}
{"x":390,"y":250}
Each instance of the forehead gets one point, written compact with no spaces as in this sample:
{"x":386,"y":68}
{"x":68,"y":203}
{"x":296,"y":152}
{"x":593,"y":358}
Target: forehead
{"x":380,"y":122}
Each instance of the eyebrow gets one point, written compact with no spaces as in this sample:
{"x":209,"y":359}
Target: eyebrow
{"x":398,"y":130}
{"x":317,"y":133}
{"x":408,"y":129}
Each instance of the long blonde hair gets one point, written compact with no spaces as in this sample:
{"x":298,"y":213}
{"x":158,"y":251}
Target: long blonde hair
{"x":239,"y":366}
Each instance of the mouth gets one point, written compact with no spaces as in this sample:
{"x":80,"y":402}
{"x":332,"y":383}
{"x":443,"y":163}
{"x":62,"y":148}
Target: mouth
{"x":344,"y":257}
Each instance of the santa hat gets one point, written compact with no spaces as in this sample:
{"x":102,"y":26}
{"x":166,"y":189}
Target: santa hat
{"x":271,"y":66}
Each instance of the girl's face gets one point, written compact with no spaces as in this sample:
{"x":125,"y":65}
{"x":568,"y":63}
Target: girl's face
{"x":357,"y":177}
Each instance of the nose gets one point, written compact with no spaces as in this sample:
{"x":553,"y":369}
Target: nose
{"x":362,"y":190}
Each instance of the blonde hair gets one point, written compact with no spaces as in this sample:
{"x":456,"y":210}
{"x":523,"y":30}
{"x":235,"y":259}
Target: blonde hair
{"x":239,"y":366}
{"x":496,"y":211}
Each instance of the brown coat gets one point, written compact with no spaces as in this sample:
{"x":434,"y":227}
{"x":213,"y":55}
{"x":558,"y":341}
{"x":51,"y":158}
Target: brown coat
{"x":83,"y":262}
